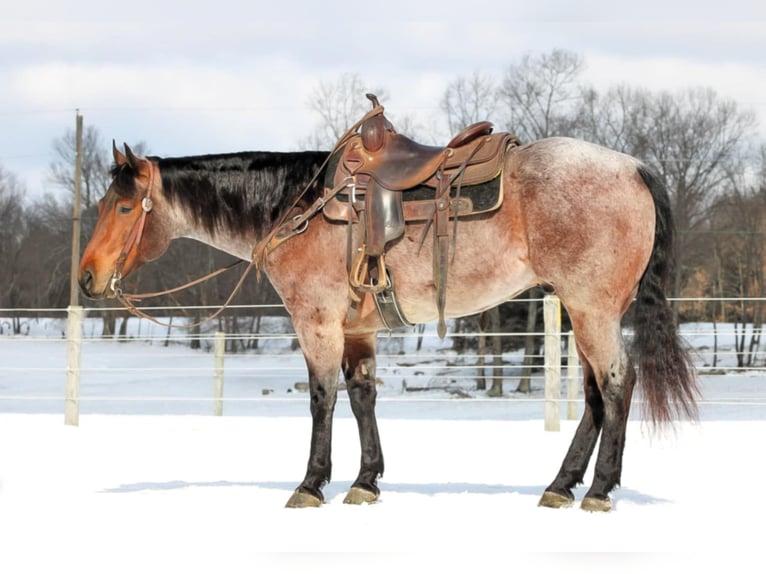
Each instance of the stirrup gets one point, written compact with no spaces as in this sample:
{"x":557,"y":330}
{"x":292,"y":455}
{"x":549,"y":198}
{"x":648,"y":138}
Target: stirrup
{"x":360,"y":269}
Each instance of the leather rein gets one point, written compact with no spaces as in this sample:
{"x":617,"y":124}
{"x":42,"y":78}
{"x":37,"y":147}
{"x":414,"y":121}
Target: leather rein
{"x":284,"y":230}
{"x":133,"y":241}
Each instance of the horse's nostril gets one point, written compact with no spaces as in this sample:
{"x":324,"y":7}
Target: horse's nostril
{"x":86,"y":282}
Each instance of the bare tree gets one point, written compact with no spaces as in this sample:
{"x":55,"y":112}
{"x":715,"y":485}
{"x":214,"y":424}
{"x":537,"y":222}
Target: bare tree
{"x":339,"y":104}
{"x":737,"y":222}
{"x":469,"y":100}
{"x":45,"y":253}
{"x":540,"y":94}
{"x":12,"y":228}
{"x":695,"y":142}
{"x":617,"y":119}
{"x":95,"y":164}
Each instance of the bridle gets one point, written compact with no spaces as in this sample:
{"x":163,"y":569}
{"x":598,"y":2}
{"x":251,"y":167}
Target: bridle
{"x":283,"y":231}
{"x":133,"y":241}
{"x":134,"y":237}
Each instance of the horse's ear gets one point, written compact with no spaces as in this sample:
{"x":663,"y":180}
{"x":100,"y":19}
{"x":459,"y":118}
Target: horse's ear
{"x":119,"y":157}
{"x":133,"y":160}
{"x":142,"y":167}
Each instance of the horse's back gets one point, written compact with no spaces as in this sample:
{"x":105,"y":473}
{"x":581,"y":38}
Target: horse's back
{"x":588,"y":218}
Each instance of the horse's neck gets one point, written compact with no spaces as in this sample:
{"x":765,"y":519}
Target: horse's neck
{"x":239,"y":245}
{"x":219,"y":217}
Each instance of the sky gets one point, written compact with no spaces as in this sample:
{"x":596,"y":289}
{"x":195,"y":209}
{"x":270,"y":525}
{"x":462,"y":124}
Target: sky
{"x":239,"y":75}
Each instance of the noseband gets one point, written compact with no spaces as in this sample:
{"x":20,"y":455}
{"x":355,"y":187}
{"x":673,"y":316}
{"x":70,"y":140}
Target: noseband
{"x":135,"y":236}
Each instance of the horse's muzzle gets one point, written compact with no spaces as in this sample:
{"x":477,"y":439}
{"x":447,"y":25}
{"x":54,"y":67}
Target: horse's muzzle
{"x":88,"y":286}
{"x":86,"y":283}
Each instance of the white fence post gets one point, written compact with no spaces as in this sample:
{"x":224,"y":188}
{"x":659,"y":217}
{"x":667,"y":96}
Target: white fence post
{"x":552,"y":319}
{"x":218,"y":351}
{"x":73,"y":360}
{"x":573,"y":377}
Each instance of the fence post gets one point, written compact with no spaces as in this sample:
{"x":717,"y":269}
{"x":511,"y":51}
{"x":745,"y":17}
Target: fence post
{"x":573,"y":378}
{"x":218,"y":350}
{"x":73,"y":356}
{"x":552,"y":319}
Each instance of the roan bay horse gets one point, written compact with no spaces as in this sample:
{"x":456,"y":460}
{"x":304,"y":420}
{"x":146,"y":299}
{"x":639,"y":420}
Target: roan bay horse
{"x":590,"y":223}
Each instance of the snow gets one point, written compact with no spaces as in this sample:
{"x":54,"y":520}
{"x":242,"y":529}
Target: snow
{"x":161,"y":485}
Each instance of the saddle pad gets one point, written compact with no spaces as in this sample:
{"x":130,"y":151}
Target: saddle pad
{"x":475,"y":197}
{"x":419,"y":202}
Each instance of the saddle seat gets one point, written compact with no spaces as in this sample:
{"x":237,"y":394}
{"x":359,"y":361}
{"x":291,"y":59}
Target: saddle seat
{"x":400,"y":163}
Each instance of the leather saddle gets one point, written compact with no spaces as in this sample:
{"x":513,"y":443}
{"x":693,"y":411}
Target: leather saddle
{"x":382,"y":169}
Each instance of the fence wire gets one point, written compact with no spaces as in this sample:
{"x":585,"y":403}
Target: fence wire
{"x":732,"y":348}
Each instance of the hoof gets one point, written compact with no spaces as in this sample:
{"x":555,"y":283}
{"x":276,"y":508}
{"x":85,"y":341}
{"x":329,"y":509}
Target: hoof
{"x":552,"y":499}
{"x":592,"y":504}
{"x":303,"y":500}
{"x":360,"y":496}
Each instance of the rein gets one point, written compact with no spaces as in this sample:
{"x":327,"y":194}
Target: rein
{"x":284,"y":230}
{"x":128,"y":299}
{"x":134,"y":242}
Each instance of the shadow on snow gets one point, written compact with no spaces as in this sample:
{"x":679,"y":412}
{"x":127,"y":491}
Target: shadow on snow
{"x":341,"y":487}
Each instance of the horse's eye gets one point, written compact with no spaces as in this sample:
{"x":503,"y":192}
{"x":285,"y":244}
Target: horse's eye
{"x":124,"y":209}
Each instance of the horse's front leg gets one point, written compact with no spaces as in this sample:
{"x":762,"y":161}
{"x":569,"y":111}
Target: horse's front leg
{"x":322,"y":347}
{"x":359,"y":372}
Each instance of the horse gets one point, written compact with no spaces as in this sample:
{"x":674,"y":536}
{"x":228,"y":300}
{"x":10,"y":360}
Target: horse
{"x":589,"y":223}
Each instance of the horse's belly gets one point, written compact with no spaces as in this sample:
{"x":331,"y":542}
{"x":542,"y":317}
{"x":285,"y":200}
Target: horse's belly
{"x":485,"y":269}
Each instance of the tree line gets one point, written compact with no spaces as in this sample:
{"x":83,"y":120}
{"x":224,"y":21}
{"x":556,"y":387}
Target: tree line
{"x":706,"y":149}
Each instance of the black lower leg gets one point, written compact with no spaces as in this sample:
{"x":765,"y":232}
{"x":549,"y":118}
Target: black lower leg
{"x":318,"y":473}
{"x":608,"y":470}
{"x":359,"y":371}
{"x":580,"y":451}
{"x":362,"y":395}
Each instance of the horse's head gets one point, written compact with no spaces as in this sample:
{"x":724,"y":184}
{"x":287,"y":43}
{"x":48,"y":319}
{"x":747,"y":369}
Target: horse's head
{"x":130,"y":230}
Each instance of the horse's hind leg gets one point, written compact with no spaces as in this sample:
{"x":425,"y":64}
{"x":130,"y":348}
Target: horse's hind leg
{"x":559,"y":493}
{"x":609,"y":382}
{"x":359,"y":371}
{"x":616,"y":393}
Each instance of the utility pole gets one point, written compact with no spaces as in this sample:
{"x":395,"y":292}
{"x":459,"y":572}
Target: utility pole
{"x":74,"y":311}
{"x":74,"y":289}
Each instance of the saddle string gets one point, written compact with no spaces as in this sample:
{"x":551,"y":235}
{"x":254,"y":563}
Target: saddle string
{"x":456,"y":176}
{"x":459,"y":178}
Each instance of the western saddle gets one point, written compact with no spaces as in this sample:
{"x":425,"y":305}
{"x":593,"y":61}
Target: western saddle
{"x":389,"y":177}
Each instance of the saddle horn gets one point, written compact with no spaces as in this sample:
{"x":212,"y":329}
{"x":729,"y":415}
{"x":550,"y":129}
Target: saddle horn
{"x":374,"y":99}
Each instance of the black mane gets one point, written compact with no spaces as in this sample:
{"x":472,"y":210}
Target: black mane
{"x":240,"y":191}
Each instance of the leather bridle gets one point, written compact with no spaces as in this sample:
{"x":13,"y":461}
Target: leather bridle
{"x":133,"y":240}
{"x":284,"y":230}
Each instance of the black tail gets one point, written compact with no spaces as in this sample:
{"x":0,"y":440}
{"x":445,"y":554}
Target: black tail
{"x":666,"y":375}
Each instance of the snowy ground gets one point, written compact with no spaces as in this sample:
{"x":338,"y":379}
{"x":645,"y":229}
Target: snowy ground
{"x":168,"y":488}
